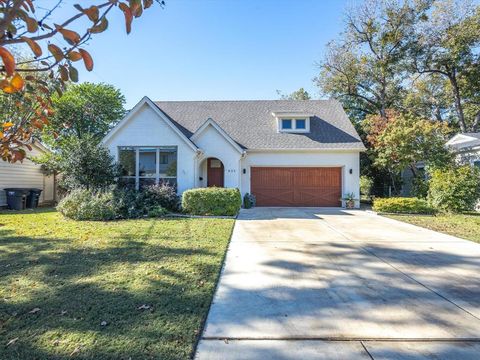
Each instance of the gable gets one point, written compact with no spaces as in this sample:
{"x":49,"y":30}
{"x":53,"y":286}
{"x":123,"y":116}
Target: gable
{"x":146,"y":125}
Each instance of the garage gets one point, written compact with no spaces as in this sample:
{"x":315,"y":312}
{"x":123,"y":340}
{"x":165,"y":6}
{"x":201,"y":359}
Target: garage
{"x":297,"y":186}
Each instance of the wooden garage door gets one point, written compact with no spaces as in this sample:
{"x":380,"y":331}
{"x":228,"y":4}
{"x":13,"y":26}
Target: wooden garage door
{"x":296,"y":186}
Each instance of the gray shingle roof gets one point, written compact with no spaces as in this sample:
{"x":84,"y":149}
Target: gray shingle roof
{"x":252,"y":125}
{"x":468,"y":144}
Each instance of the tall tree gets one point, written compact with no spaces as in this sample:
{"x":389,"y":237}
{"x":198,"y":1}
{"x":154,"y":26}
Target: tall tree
{"x":447,"y":38}
{"x":21,"y":24}
{"x":87,"y":109}
{"x":364,"y":69}
{"x":300,"y":94}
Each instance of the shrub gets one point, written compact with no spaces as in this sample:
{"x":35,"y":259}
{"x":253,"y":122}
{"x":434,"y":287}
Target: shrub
{"x":249,"y":201}
{"x":402,"y":205}
{"x":454,"y":189}
{"x":366,"y":185}
{"x":83,"y":204}
{"x":420,"y":187}
{"x":83,"y":163}
{"x":157,"y":211}
{"x":212,"y":201}
{"x":125,"y":203}
{"x":163,"y":195}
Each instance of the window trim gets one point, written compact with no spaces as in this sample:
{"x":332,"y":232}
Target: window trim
{"x":157,"y":177}
{"x":294,"y":128}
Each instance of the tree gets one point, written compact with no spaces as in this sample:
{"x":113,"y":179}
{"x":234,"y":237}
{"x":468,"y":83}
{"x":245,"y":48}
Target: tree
{"x":403,"y":140}
{"x":21,"y":25}
{"x":82,"y":162}
{"x":365,"y":68}
{"x":446,"y":43}
{"x":87,"y":109}
{"x":300,"y":94}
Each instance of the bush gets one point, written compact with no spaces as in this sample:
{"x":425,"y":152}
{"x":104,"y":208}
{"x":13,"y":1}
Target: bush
{"x":163,"y":195}
{"x":124,"y":203}
{"x":402,"y":205}
{"x":212,"y":201}
{"x":366,"y":185}
{"x":82,"y":204}
{"x":454,"y":189}
{"x":249,"y":201}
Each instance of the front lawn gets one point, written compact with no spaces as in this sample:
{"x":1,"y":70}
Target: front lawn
{"x":466,"y":226}
{"x":133,"y":289}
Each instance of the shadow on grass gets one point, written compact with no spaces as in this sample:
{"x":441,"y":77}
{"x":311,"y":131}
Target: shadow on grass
{"x":76,"y":288}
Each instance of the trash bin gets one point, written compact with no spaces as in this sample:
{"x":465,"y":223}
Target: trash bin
{"x":16,"y":198}
{"x":33,"y":197}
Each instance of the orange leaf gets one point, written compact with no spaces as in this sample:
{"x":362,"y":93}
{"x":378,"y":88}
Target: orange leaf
{"x":87,"y":59}
{"x":17,"y":82}
{"x":37,"y":50}
{"x":92,"y":13}
{"x":128,"y":16}
{"x":8,"y":61}
{"x":56,"y":52}
{"x":100,"y":27}
{"x":70,"y":36}
{"x":136,"y":7}
{"x":74,"y":56}
{"x":7,"y":125}
{"x":63,"y":73}
{"x":147,"y":3}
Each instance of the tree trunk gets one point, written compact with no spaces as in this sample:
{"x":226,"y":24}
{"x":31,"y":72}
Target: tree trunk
{"x":458,"y":101}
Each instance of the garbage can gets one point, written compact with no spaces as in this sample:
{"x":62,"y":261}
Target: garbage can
{"x":16,"y":198}
{"x":33,"y":197}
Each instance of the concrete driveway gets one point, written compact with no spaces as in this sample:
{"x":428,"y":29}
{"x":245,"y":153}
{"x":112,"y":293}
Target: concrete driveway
{"x":334,"y":284}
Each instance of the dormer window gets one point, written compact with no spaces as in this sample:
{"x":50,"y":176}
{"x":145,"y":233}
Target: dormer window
{"x":292,"y":122}
{"x":286,"y":124}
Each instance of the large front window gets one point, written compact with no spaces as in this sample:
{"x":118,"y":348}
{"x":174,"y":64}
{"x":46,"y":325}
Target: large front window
{"x":142,"y":166}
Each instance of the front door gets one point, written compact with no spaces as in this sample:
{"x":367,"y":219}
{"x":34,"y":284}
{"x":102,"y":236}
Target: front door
{"x":214,"y":173}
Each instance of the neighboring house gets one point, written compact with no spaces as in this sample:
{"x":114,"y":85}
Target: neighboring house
{"x":27,"y":174}
{"x":466,"y":147}
{"x":286,"y":153}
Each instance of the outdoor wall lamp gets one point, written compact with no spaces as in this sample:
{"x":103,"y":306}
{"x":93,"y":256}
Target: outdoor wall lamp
{"x":351,"y":171}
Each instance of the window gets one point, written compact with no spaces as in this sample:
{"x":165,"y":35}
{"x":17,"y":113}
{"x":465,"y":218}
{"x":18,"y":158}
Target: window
{"x":294,"y":125}
{"x":286,"y":124}
{"x":146,"y":166}
{"x":300,"y":124}
{"x":476,"y":163}
{"x":147,"y":163}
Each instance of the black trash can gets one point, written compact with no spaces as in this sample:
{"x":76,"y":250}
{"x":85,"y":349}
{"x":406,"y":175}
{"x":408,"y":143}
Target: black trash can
{"x":33,"y":198}
{"x":16,"y":198}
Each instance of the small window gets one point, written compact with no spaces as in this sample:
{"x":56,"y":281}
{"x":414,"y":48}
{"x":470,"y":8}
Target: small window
{"x":476,"y":163}
{"x":300,"y":124}
{"x":286,"y":123}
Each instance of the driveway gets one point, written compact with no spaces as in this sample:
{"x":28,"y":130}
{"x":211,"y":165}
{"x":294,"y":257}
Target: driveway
{"x":334,"y":284}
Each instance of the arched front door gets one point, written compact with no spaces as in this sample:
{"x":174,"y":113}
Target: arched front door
{"x":215,"y":172}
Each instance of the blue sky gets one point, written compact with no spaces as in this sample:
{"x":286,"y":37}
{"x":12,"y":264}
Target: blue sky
{"x":216,"y":49}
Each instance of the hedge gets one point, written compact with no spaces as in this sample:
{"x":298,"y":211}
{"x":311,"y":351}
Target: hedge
{"x":212,"y":201}
{"x":402,"y":205}
{"x":455,"y":189}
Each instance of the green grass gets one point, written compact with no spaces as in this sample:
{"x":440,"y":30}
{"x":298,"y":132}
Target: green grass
{"x":466,"y":226}
{"x":82,"y":274}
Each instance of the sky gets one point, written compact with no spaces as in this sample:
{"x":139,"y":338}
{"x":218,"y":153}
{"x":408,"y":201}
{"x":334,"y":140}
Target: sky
{"x":215,"y":49}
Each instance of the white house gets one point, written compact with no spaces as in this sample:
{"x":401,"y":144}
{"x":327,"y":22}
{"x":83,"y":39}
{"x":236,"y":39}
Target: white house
{"x":466,"y":147}
{"x":286,"y":153}
{"x":27,"y":174}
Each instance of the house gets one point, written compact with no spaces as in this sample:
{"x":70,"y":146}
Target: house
{"x":466,"y":147}
{"x":27,"y":174}
{"x":286,"y":153}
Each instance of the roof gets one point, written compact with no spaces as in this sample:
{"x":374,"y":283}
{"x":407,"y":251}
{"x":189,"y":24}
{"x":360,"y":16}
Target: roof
{"x":252,"y":126}
{"x":464,"y":141}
